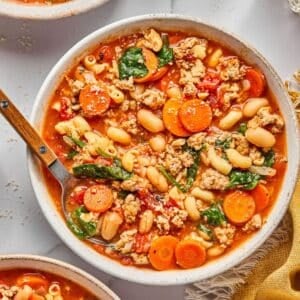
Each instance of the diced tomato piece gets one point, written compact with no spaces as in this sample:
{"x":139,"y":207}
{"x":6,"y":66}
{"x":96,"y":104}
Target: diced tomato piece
{"x":141,"y":243}
{"x":210,"y":82}
{"x":78,"y":194}
{"x":106,"y":53}
{"x":171,"y":203}
{"x":126,"y":260}
{"x":148,"y":200}
{"x":175,"y":38}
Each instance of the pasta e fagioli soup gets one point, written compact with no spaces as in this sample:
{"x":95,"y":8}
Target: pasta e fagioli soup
{"x":179,"y":145}
{"x":24,"y":284}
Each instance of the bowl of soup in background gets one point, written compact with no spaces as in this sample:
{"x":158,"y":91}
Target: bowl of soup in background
{"x":17,"y":265}
{"x":165,"y":22}
{"x":41,"y":10}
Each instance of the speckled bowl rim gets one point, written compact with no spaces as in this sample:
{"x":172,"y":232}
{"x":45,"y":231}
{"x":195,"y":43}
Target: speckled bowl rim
{"x":57,"y":11}
{"x":169,"y":277}
{"x":13,"y":258}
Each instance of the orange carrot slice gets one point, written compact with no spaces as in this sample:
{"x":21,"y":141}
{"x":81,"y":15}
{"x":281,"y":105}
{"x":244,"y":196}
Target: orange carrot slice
{"x":190,"y":254}
{"x":35,"y":281}
{"x":261,"y":197}
{"x":94,"y":100}
{"x":195,"y":115}
{"x":161,"y":253}
{"x":98,"y":198}
{"x":159,"y":73}
{"x":239,"y":207}
{"x":257,"y":82}
{"x":173,"y":76}
{"x":151,"y":63}
{"x":171,"y":118}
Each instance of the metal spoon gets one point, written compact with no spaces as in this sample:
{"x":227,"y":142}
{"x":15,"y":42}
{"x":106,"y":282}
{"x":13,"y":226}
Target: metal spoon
{"x":44,"y":153}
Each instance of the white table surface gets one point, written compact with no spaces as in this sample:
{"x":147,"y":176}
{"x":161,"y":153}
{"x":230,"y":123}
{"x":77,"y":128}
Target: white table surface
{"x":29,"y":49}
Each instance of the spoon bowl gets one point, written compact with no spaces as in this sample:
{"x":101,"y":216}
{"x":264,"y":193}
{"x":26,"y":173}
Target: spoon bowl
{"x":66,"y":180}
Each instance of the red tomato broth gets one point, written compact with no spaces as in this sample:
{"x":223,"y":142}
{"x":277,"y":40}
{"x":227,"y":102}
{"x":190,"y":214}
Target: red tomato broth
{"x":55,"y":142}
{"x":69,"y":289}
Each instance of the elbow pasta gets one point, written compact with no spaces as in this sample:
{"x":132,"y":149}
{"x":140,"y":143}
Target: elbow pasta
{"x":164,"y":132}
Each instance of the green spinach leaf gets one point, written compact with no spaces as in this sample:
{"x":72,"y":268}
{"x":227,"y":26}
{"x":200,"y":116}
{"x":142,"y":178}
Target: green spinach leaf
{"x":171,"y":179}
{"x":214,"y":215}
{"x":103,"y":154}
{"x":77,"y":142}
{"x":269,"y":158}
{"x":101,"y":172}
{"x":243,"y":179}
{"x":132,"y":63}
{"x":165,"y":55}
{"x":89,"y":227}
{"x":72,"y":154}
{"x":191,"y":171}
{"x":123,"y":194}
{"x":76,"y":229}
{"x":242,"y":128}
{"x":205,"y":229}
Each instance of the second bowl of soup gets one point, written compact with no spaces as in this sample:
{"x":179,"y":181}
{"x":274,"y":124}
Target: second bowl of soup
{"x":179,"y":140}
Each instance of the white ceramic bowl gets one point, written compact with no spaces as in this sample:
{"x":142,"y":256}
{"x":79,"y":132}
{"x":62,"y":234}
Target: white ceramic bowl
{"x":56,"y":267}
{"x":251,"y":56}
{"x":15,"y":9}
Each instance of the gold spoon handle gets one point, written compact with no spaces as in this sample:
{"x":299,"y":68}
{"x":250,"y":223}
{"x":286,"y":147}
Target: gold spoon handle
{"x":26,"y":131}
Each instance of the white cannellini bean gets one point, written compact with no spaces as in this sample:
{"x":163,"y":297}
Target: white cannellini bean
{"x":215,"y":251}
{"x":238,"y":160}
{"x":260,"y":137}
{"x":204,"y":195}
{"x":128,"y":161}
{"x":252,"y":106}
{"x":191,"y":208}
{"x":174,"y":92}
{"x":219,"y":163}
{"x":231,"y":119}
{"x":157,"y":179}
{"x":119,"y":135}
{"x":157,"y":143}
{"x":213,"y":60}
{"x":146,"y":221}
{"x":150,"y":121}
{"x":110,"y":225}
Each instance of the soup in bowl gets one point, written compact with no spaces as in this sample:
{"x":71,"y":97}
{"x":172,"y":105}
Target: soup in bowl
{"x":46,"y":9}
{"x":179,"y":140}
{"x":31,"y":277}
